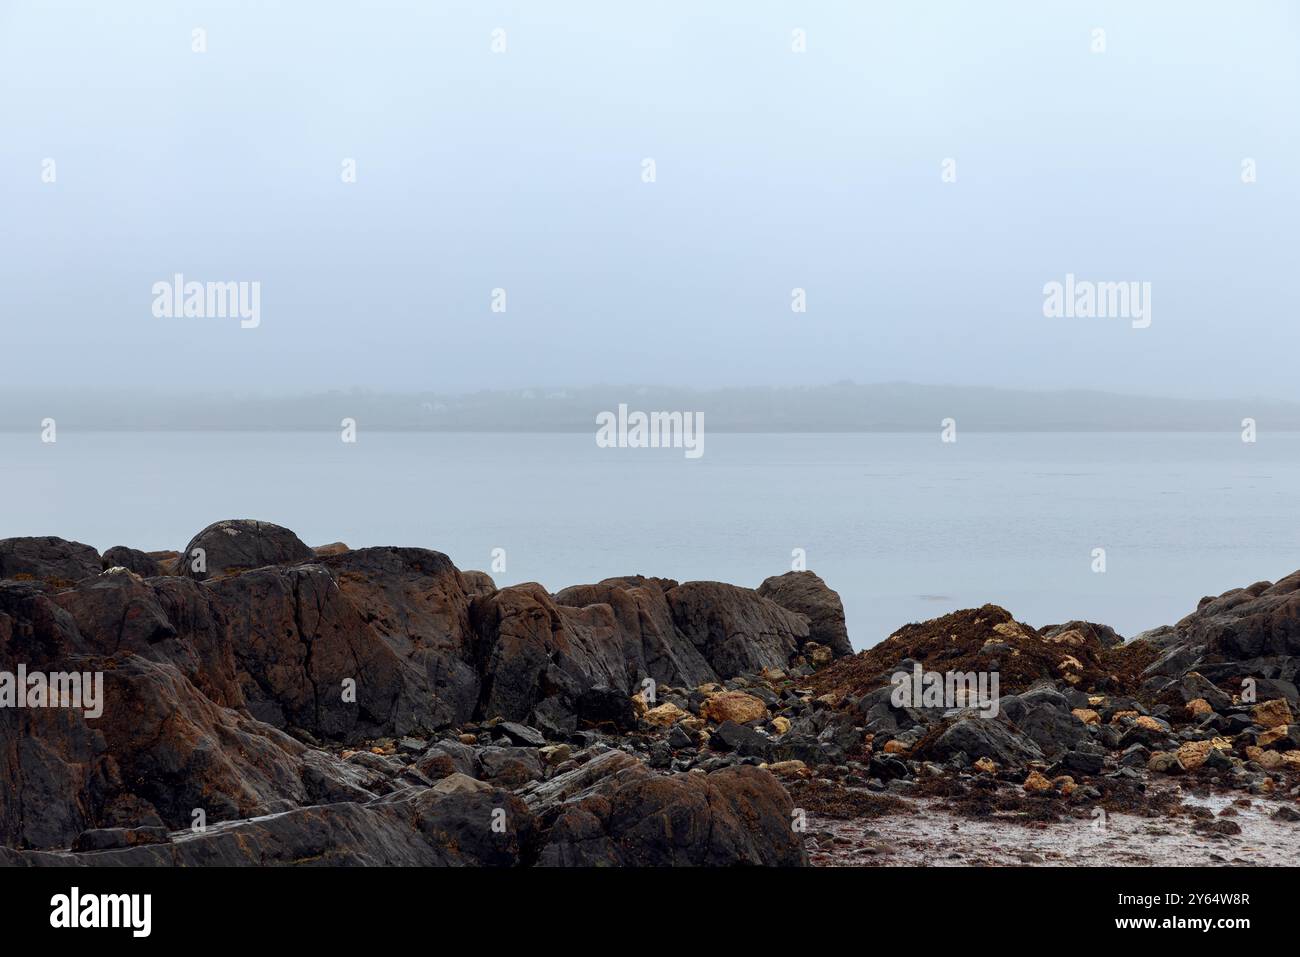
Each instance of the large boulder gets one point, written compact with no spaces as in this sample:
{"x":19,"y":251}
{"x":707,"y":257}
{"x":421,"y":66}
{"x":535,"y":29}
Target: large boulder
{"x":307,"y":657}
{"x":532,"y":650}
{"x":739,"y":815}
{"x":1103,"y":635}
{"x":736,"y":629}
{"x":240,"y":544}
{"x":806,"y":594}
{"x":649,"y":638}
{"x":984,"y":738}
{"x":418,"y":602}
{"x":121,"y":556}
{"x":48,"y":559}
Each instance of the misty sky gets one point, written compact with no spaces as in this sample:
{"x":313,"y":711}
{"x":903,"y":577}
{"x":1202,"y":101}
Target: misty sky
{"x":522,"y":170}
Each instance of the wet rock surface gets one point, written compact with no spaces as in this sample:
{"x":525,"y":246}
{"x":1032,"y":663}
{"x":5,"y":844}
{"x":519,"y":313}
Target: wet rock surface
{"x":379,"y":706}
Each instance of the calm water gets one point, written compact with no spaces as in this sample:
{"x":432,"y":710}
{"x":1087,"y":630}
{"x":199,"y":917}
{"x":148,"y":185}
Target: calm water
{"x":903,"y":526}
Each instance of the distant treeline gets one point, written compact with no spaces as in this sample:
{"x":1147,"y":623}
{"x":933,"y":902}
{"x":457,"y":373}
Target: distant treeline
{"x":845,"y":407}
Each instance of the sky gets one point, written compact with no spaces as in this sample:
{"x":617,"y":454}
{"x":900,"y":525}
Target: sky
{"x":524,"y":170}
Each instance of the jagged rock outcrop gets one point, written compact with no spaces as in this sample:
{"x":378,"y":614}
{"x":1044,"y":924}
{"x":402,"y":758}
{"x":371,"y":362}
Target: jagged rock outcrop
{"x":735,"y":629}
{"x":532,"y":650}
{"x":650,"y":638}
{"x":238,"y":694}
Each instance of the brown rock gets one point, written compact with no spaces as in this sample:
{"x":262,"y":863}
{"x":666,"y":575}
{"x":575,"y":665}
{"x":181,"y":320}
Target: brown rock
{"x":1087,"y":715}
{"x":665,"y":715}
{"x":1192,"y":754}
{"x":1270,"y":714}
{"x":790,"y":769}
{"x":1268,"y":760}
{"x":733,"y":706}
{"x":1037,"y":783}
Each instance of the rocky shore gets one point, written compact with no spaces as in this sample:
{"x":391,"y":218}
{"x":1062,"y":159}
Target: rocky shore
{"x":265,"y":702}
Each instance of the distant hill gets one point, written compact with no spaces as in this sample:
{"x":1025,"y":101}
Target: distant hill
{"x":845,"y":407}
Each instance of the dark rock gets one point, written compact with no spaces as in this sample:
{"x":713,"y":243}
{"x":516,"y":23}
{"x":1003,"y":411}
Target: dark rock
{"x":981,"y":738}
{"x":418,"y":603}
{"x":806,"y":594}
{"x":101,"y":839}
{"x":610,"y":706}
{"x":1193,"y":685}
{"x":48,"y":559}
{"x":736,"y":629}
{"x":1269,"y":689}
{"x":1082,"y":762}
{"x":744,"y":740}
{"x":532,"y":649}
{"x":652,"y":646}
{"x":679,"y":738}
{"x":555,"y":716}
{"x":1105,"y":635}
{"x":739,"y":815}
{"x":522,"y":734}
{"x":421,"y":828}
{"x":241,"y":544}
{"x":1053,"y":729}
{"x":132,"y":559}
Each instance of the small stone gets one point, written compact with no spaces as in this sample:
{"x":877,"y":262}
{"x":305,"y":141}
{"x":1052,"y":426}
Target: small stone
{"x":1270,"y":714}
{"x":1037,"y":783}
{"x":790,"y":769}
{"x":1199,"y":707}
{"x":1087,"y":715}
{"x":1192,"y":754}
{"x":780,"y":724}
{"x":1271,"y":736}
{"x":665,"y":715}
{"x":554,"y":754}
{"x":1268,"y":760}
{"x":1164,"y":762}
{"x":733,"y":706}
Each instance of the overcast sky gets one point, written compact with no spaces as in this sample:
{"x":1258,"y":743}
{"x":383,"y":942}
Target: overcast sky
{"x":775,"y":170}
